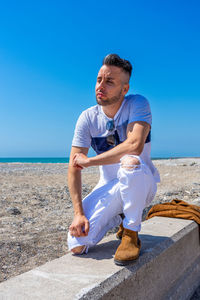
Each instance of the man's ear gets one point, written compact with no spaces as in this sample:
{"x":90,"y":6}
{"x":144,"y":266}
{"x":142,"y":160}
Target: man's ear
{"x":125,"y":88}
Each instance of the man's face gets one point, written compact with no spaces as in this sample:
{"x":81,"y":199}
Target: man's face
{"x":111,"y":86}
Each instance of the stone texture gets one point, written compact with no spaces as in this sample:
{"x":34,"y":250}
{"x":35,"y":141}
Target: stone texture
{"x":39,"y":192}
{"x":170,"y":256}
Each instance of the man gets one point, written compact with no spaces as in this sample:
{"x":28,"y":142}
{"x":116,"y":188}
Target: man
{"x":118,"y":129}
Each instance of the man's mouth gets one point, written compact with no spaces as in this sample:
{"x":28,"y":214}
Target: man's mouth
{"x":100,"y":94}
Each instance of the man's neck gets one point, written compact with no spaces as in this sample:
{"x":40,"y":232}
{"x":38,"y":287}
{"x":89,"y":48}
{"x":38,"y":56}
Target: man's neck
{"x":111,"y":110}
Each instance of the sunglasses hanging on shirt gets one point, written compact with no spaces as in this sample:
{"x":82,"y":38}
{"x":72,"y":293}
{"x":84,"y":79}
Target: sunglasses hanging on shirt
{"x":111,"y":139}
{"x":110,"y":125}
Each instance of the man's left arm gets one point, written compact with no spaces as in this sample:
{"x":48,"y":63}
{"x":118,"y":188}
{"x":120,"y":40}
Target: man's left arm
{"x":137,"y":133}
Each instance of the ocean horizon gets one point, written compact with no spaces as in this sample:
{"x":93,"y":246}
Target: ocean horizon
{"x":32,"y":160}
{"x":58,"y":160}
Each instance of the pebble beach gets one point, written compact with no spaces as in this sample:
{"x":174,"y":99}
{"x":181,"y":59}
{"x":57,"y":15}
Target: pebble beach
{"x":36,"y":210}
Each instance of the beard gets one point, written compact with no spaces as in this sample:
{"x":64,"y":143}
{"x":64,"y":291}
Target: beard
{"x":110,"y":101}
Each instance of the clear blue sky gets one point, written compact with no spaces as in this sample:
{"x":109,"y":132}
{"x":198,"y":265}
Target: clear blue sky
{"x":51,"y":51}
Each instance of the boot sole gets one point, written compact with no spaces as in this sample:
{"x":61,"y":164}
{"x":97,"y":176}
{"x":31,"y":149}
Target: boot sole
{"x":124,"y":262}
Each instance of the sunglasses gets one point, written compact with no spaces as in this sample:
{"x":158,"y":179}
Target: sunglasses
{"x":110,"y":125}
{"x":111,"y":139}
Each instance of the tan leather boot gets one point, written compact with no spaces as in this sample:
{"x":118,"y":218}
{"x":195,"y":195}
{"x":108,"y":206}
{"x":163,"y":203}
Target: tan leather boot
{"x":120,"y":232}
{"x":129,"y":249}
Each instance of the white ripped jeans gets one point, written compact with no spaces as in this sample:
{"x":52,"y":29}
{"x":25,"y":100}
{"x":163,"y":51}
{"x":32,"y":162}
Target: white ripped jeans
{"x":132,"y":190}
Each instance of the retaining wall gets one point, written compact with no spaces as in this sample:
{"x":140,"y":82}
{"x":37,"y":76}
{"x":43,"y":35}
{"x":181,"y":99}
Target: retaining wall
{"x":168,"y":268}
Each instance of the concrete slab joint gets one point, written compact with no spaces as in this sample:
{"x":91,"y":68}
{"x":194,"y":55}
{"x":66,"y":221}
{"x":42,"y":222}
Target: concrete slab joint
{"x":168,"y":268}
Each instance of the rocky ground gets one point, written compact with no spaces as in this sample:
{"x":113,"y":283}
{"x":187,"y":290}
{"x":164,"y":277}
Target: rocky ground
{"x":36,"y":211}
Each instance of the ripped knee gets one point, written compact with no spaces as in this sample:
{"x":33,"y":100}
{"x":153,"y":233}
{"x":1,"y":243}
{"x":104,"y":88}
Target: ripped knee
{"x":130,"y":162}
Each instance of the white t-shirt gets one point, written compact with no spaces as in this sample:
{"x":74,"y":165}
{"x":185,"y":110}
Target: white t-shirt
{"x":91,"y":131}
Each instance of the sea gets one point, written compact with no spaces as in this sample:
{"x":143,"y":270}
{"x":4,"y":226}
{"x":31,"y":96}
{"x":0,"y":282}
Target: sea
{"x":54,"y":160}
{"x":40,"y":160}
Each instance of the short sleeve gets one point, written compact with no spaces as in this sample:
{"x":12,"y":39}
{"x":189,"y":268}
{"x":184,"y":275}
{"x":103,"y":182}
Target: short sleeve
{"x":82,"y":137}
{"x":139,"y":110}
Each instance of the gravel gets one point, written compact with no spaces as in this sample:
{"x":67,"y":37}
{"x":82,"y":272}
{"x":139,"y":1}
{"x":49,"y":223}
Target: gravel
{"x":36,"y":210}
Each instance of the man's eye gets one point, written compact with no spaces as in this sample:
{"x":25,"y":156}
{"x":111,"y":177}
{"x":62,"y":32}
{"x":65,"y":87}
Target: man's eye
{"x":109,"y":81}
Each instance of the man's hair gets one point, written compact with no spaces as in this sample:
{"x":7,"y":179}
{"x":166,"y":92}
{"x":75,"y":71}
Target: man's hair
{"x":115,"y":60}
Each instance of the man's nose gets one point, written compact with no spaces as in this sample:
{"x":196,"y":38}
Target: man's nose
{"x":101,"y":84}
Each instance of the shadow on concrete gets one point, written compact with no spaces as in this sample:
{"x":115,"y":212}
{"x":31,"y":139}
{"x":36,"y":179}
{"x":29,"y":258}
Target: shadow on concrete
{"x":150,"y":241}
{"x":102,"y":251}
{"x":107,"y":250}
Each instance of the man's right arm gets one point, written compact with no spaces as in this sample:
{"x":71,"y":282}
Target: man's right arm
{"x":80,"y":224}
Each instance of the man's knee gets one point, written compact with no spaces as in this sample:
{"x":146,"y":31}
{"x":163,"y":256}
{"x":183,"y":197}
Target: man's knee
{"x":130,"y":162}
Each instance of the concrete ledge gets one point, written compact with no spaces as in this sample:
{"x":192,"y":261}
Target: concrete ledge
{"x":168,"y":268}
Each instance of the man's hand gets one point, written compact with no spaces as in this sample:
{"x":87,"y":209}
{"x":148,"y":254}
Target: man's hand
{"x":80,"y":226}
{"x":80,"y":160}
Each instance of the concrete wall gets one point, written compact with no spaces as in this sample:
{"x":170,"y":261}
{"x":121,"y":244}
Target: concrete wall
{"x":168,"y":268}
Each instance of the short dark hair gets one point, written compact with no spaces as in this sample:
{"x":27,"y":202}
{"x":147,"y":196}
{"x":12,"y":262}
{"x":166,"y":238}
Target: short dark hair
{"x":115,"y":60}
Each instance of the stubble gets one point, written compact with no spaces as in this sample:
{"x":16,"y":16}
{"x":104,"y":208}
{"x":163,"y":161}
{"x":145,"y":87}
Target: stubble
{"x":110,"y":101}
